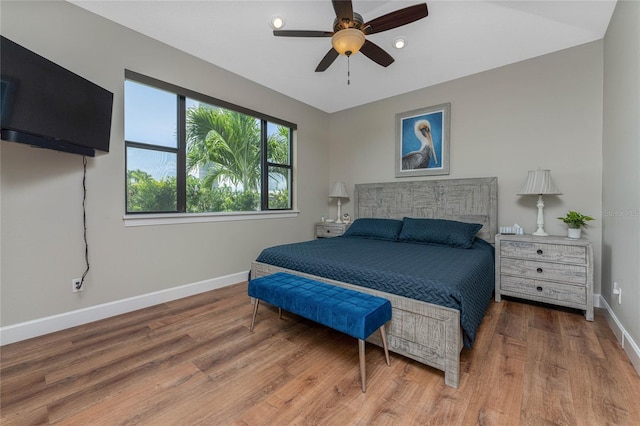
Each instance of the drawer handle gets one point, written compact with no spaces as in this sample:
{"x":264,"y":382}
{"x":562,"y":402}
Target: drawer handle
{"x":539,"y":288}
{"x":539,"y":251}
{"x":328,"y":231}
{"x":539,"y":270}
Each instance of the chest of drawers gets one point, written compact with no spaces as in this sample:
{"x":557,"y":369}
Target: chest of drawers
{"x":553,"y":269}
{"x":330,"y":229}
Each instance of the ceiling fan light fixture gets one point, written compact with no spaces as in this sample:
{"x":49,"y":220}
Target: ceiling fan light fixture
{"x":276,"y":22}
{"x":400,"y":43}
{"x":348,"y":41}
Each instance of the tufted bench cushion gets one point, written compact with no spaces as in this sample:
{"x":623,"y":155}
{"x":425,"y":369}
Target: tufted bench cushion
{"x":348,"y":311}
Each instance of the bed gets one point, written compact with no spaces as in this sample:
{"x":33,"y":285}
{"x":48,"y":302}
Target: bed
{"x":430,"y":326}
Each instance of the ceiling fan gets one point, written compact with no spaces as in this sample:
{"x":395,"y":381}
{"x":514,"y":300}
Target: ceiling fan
{"x":350,"y":31}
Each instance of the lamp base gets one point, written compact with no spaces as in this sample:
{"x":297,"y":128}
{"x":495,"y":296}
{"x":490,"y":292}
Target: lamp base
{"x":540,"y":221}
{"x":540,"y":233}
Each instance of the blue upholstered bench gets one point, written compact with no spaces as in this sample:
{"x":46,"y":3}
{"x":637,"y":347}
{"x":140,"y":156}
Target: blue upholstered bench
{"x":351,"y":312}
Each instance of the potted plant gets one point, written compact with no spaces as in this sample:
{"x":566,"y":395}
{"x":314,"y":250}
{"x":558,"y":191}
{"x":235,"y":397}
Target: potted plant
{"x":575,"y":221}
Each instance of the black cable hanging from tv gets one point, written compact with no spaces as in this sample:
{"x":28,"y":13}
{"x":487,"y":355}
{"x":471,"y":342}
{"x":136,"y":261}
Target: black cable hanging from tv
{"x":84,"y":219}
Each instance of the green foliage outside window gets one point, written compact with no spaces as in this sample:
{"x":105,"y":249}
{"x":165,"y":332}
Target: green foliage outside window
{"x":147,"y":194}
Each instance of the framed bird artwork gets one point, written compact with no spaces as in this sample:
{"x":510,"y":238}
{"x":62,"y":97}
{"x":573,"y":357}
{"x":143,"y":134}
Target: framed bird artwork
{"x":422,"y":141}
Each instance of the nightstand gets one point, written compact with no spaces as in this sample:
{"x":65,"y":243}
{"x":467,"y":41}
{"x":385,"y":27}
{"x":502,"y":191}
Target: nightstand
{"x":330,"y":229}
{"x":553,"y":269}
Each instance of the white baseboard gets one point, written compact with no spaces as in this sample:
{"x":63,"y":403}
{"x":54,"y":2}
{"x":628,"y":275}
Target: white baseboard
{"x":628,"y":344}
{"x":38,"y":327}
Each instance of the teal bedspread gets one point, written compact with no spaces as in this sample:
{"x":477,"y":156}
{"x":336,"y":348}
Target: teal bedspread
{"x":461,"y":279}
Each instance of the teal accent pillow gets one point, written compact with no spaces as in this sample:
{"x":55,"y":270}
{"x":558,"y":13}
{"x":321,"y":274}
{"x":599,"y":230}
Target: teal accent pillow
{"x":378,"y":229}
{"x":439,"y":231}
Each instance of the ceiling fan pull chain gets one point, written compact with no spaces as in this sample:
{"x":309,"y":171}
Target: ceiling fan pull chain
{"x":348,"y":70}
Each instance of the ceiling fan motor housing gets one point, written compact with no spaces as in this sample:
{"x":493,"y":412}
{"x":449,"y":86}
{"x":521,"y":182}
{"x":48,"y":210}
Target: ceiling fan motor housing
{"x":345,"y":23}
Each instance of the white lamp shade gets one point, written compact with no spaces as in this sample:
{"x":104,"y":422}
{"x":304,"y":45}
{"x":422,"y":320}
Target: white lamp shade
{"x":338,"y":190}
{"x":539,"y":182}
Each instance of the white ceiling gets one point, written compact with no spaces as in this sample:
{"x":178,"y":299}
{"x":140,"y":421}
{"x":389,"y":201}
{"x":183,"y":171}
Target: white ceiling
{"x":457,"y":39}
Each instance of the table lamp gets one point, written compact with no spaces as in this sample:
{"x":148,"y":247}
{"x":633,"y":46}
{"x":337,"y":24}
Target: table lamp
{"x":539,"y":183}
{"x":339,"y":191}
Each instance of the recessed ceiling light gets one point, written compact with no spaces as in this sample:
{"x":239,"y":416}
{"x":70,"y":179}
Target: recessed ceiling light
{"x":399,"y":43}
{"x":276,"y":22}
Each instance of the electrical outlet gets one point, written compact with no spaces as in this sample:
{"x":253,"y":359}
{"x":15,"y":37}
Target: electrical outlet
{"x":77,"y":285}
{"x":618,"y":291}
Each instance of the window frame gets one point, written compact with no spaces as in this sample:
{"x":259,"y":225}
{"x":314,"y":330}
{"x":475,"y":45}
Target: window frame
{"x":181,"y":173}
{"x":266,"y":164}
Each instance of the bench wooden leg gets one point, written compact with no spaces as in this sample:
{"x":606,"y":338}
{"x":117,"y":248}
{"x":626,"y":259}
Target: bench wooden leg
{"x":255,"y":311}
{"x":363,"y":370}
{"x":383,"y":335}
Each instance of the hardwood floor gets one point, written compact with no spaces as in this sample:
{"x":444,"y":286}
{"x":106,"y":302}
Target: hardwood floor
{"x":194,"y":362}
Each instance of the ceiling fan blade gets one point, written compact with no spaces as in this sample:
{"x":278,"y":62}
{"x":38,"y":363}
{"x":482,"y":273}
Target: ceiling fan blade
{"x":344,"y":11}
{"x":301,"y":33}
{"x":396,"y":19}
{"x":327,"y":60}
{"x":376,"y":54}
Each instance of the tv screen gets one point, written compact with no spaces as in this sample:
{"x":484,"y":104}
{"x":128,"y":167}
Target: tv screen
{"x":46,"y":105}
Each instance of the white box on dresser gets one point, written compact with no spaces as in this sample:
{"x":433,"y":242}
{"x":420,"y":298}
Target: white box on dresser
{"x":553,"y":269}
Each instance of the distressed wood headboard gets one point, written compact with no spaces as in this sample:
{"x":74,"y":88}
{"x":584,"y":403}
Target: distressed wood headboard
{"x":466,"y":200}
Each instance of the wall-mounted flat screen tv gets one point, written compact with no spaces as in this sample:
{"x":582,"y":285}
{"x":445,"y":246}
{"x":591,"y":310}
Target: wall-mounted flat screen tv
{"x":45,"y":105}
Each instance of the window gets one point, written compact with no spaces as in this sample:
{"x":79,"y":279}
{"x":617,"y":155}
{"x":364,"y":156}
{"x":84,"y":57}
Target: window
{"x":190,"y":153}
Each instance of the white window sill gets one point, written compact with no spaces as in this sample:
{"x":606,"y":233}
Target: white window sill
{"x":180,"y":218}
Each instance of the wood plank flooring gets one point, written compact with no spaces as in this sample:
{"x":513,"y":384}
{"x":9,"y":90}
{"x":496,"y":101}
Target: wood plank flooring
{"x":194,"y":362}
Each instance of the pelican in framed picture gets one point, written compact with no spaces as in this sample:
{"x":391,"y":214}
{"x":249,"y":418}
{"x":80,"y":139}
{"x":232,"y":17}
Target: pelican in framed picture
{"x":422,"y":141}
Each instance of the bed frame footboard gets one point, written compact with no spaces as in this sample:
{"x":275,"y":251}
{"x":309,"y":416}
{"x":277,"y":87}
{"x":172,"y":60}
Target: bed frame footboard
{"x":427,"y":333}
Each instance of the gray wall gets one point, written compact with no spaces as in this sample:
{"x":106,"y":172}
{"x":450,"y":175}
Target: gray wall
{"x":41,"y":191}
{"x":540,"y":113}
{"x":621,"y":165}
